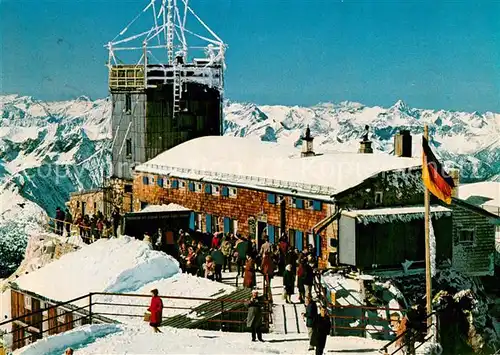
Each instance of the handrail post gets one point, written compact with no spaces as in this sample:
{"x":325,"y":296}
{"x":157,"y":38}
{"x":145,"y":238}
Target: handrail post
{"x":90,"y":307}
{"x":221,"y":314}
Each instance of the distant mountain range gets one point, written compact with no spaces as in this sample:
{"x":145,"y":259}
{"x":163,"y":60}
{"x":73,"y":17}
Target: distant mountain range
{"x":49,"y":149}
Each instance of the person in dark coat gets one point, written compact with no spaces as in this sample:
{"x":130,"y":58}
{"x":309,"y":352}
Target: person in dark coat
{"x":156,"y":309}
{"x":254,"y":316}
{"x":300,"y":281}
{"x":69,"y":220}
{"x":321,"y":331}
{"x":310,"y":315}
{"x":288,"y":283}
{"x":116,"y":217}
{"x":241,"y":249}
{"x":218,"y":258}
{"x":308,"y":279}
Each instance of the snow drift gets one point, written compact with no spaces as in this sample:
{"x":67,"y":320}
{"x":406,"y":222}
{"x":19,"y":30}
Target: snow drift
{"x":108,"y":265}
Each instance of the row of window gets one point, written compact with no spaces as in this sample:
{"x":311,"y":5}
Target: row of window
{"x":213,"y":224}
{"x":295,"y":202}
{"x":211,"y":189}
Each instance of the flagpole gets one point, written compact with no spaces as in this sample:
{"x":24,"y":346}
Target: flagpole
{"x":428,"y":280}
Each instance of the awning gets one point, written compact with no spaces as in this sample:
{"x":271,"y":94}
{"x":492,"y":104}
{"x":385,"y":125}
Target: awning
{"x":395,"y":214}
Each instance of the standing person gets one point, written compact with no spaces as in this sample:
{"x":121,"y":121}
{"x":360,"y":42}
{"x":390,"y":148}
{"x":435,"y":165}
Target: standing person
{"x":59,"y":221}
{"x":241,"y":248}
{"x":156,"y":309}
{"x":308,"y":278}
{"x":226,"y":250}
{"x":301,"y":275}
{"x":249,"y":280}
{"x":267,"y":268}
{"x":69,"y":220}
{"x":216,"y":241}
{"x":310,"y":315}
{"x":288,"y":283}
{"x":209,"y":267}
{"x":321,"y":331}
{"x":266,"y":246}
{"x":218,"y":259}
{"x":116,"y":217}
{"x":254,"y":316}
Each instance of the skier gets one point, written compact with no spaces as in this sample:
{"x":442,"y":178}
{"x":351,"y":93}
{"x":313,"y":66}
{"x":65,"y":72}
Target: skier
{"x":156,"y":309}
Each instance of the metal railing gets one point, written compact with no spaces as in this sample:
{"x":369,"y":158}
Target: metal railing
{"x":407,"y":341}
{"x":84,"y":232}
{"x":229,"y":314}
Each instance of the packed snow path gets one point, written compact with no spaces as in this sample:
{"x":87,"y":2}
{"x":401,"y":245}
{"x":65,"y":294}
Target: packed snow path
{"x":286,"y":318}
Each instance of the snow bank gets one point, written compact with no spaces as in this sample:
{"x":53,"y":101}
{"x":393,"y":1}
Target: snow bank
{"x":75,"y":339}
{"x":133,"y":340}
{"x":179,"y":285}
{"x":108,"y":265}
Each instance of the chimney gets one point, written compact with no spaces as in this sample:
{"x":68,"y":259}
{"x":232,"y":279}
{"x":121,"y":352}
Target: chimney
{"x":403,"y":144}
{"x":307,"y":144}
{"x":455,"y":175}
{"x":365,"y":146}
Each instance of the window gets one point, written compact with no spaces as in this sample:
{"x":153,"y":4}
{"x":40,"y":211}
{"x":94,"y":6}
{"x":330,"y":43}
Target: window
{"x":174,"y":184}
{"x":271,"y":198}
{"x":215,"y":190}
{"x":166,"y":183}
{"x":95,"y":206}
{"x":378,"y":197}
{"x":198,"y":187}
{"x":145,"y":180}
{"x":159,"y":182}
{"x":232,"y":192}
{"x":128,"y":147}
{"x":128,"y":189}
{"x":466,"y":235}
{"x":183,"y":184}
{"x":61,"y":315}
{"x":198,"y":221}
{"x":297,"y":203}
{"x":191,"y":186}
{"x":128,"y":103}
{"x":27,"y":303}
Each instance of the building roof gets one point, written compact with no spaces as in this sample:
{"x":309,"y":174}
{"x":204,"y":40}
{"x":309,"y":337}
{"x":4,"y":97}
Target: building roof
{"x":171,"y":207}
{"x":251,"y":162}
{"x":485,"y":193}
{"x":395,"y":214}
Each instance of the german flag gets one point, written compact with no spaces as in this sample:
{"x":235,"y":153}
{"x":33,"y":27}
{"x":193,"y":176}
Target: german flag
{"x":435,"y":178}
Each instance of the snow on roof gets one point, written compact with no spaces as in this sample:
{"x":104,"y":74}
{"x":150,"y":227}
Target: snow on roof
{"x":488,"y":190}
{"x":257,"y":163}
{"x":395,"y":214}
{"x":109,"y":265}
{"x":171,"y":207}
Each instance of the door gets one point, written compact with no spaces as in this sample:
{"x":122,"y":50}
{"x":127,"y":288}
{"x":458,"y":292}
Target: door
{"x":261,"y":227}
{"x":83,"y":208}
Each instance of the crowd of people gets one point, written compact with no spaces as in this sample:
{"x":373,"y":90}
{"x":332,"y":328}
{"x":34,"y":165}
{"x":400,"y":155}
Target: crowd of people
{"x":225,"y":252}
{"x":91,"y":227}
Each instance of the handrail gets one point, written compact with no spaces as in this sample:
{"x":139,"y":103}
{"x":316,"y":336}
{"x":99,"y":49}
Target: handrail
{"x":53,"y":228}
{"x":412,"y":334}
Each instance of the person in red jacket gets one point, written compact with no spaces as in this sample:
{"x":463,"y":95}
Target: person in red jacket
{"x":216,"y":241}
{"x":156,"y":309}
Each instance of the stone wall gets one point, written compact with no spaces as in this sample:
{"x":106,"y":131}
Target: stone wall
{"x":476,"y":257}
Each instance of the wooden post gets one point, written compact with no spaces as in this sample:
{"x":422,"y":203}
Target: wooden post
{"x":428,"y":279}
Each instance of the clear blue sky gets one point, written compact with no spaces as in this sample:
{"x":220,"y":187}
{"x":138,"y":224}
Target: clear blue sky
{"x":431,"y":54}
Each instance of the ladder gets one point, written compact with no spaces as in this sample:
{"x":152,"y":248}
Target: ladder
{"x":177,"y":88}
